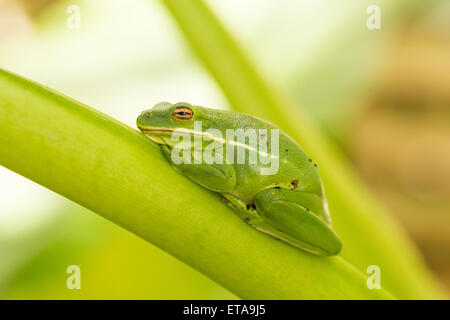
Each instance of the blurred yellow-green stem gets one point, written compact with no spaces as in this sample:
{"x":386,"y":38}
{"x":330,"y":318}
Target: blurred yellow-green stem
{"x":118,"y":173}
{"x":369,"y":234}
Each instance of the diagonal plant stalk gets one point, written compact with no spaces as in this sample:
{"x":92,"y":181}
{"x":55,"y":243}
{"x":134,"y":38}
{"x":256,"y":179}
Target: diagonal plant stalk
{"x":116,"y":172}
{"x":370,"y":236}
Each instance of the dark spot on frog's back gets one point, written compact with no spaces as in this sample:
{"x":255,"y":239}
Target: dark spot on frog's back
{"x":294,"y":184}
{"x":248,"y":206}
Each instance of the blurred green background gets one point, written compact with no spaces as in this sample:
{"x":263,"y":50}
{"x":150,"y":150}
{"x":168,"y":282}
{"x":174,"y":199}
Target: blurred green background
{"x":382,"y":95}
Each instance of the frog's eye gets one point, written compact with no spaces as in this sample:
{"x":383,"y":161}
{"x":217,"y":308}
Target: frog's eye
{"x":183,"y":113}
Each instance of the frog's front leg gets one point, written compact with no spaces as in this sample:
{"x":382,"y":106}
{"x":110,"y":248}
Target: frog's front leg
{"x":243,"y":209}
{"x":249,"y":214}
{"x":217,"y":177}
{"x":287,"y":212}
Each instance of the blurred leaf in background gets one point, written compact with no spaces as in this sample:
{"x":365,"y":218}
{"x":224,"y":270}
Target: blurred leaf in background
{"x":400,"y":141}
{"x":326,"y":58}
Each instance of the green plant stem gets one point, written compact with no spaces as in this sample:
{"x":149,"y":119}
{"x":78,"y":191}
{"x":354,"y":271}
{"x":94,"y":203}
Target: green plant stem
{"x":116,"y":172}
{"x":370,"y":236}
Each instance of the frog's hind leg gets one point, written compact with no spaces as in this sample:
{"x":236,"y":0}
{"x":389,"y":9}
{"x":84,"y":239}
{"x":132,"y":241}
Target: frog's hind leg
{"x":287,"y":212}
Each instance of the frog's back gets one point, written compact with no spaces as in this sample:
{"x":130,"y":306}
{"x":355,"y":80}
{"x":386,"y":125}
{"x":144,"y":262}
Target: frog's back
{"x":292,"y":168}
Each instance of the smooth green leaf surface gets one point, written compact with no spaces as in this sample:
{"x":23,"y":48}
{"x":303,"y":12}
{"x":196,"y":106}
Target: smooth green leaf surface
{"x":116,"y":172}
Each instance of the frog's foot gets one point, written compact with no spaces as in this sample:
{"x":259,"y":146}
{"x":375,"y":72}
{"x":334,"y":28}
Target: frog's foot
{"x":244,"y":210}
{"x":286,"y":212}
{"x":249,"y":214}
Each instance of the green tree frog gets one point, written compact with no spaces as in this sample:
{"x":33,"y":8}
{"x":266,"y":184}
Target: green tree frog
{"x":276,"y":189}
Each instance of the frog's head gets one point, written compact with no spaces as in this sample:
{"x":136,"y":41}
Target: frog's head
{"x":164,"y":118}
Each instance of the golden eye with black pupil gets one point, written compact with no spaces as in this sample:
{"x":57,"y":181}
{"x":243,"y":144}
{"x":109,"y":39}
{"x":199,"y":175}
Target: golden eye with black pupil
{"x":183,"y":113}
